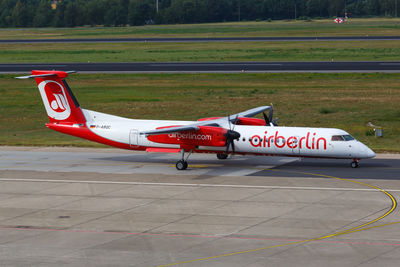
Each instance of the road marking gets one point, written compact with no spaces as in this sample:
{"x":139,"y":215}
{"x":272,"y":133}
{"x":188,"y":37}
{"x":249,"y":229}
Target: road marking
{"x":193,"y":185}
{"x":344,"y":232}
{"x":390,"y":64}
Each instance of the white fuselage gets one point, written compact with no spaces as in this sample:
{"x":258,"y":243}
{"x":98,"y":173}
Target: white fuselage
{"x":260,"y":140}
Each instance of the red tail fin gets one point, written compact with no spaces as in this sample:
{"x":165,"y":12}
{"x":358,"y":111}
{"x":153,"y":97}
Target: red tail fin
{"x":58,"y":99}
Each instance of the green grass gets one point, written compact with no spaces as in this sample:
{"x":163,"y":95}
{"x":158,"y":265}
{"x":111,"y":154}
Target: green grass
{"x":354,"y":27}
{"x":201,"y":52}
{"x":347,"y":101}
{"x":208,"y":51}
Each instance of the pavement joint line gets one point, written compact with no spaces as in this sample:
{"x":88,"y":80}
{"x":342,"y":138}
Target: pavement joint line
{"x":193,"y":185}
{"x":7,"y":227}
{"x":362,"y":227}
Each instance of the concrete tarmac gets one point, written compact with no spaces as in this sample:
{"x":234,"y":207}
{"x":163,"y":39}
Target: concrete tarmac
{"x":108,"y":207}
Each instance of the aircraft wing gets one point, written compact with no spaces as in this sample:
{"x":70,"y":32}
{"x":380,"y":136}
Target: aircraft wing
{"x":172,"y":130}
{"x":221,"y":122}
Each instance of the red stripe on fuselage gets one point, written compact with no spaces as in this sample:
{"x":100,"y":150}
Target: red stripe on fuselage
{"x":85,"y":133}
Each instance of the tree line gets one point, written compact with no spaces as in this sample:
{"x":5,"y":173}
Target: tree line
{"x":71,"y":13}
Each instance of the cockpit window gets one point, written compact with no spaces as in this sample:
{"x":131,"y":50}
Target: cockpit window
{"x":346,"y":137}
{"x":337,"y":138}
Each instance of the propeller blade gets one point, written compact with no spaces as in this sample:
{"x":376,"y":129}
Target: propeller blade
{"x":271,"y":113}
{"x":230,"y":137}
{"x":236,"y":120}
{"x":274,"y":122}
{"x":228,"y":142}
{"x":267,"y":121}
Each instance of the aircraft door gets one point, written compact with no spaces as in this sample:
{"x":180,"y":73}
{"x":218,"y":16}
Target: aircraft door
{"x":133,"y":138}
{"x":294,"y":143}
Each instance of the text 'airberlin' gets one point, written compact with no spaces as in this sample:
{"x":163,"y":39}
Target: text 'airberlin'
{"x":310,"y":141}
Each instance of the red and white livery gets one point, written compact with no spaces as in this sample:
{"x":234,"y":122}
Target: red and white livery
{"x":239,"y":133}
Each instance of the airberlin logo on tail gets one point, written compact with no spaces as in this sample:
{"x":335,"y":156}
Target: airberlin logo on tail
{"x":59,"y":103}
{"x":55,"y":100}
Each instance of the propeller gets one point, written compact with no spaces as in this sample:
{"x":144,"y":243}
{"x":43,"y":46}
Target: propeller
{"x":231,"y":135}
{"x":268,"y":119}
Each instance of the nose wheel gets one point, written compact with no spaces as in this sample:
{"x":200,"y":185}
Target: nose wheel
{"x":354,"y":164}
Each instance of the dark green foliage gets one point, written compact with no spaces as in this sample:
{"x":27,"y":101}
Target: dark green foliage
{"x":141,"y":11}
{"x":71,"y":13}
{"x":43,"y":15}
{"x":324,"y":110}
{"x":370,"y":132}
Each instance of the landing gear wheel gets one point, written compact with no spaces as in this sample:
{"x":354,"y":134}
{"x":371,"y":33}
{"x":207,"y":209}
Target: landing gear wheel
{"x":222,"y":156}
{"x":354,"y":164}
{"x":181,"y":165}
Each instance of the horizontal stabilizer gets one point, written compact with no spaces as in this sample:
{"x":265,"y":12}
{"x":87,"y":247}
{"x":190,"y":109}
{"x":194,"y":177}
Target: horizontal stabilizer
{"x":43,"y":75}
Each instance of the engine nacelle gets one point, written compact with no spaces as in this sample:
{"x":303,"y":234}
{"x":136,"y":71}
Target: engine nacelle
{"x":250,"y":121}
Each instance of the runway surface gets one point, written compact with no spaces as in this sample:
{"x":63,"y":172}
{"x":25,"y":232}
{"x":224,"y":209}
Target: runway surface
{"x":222,"y":67}
{"x":107,"y":207}
{"x":201,"y":39}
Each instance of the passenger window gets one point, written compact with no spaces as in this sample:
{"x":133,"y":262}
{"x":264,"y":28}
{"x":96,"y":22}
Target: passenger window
{"x":337,"y":138}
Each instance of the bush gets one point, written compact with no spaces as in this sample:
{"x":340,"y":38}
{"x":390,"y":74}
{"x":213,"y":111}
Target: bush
{"x":326,"y":110}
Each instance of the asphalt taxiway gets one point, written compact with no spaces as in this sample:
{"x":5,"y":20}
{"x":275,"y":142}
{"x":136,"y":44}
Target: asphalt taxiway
{"x":108,"y":207}
{"x":213,"y":67}
{"x":203,"y":39}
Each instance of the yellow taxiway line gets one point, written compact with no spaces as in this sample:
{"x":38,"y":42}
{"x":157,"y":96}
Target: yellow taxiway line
{"x":345,"y":232}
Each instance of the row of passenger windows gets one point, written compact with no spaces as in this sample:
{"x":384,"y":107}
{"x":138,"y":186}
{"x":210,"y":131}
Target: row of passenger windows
{"x":279,"y":140}
{"x":346,"y":137}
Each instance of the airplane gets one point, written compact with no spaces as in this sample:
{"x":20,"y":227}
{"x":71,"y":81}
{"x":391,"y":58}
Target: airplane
{"x":239,"y":133}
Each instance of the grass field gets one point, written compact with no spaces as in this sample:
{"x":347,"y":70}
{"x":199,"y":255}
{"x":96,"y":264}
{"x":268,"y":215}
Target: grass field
{"x":326,"y":27}
{"x":208,"y":51}
{"x":346,"y":101}
{"x":201,"y":52}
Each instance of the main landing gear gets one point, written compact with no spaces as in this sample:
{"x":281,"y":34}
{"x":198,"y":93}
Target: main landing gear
{"x":182,"y":164}
{"x":222,"y":156}
{"x":354,"y":164}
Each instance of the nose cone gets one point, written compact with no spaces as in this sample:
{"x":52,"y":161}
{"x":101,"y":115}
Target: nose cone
{"x":366,"y":152}
{"x":370,"y":153}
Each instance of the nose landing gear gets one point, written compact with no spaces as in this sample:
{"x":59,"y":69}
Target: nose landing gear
{"x":354,"y":164}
